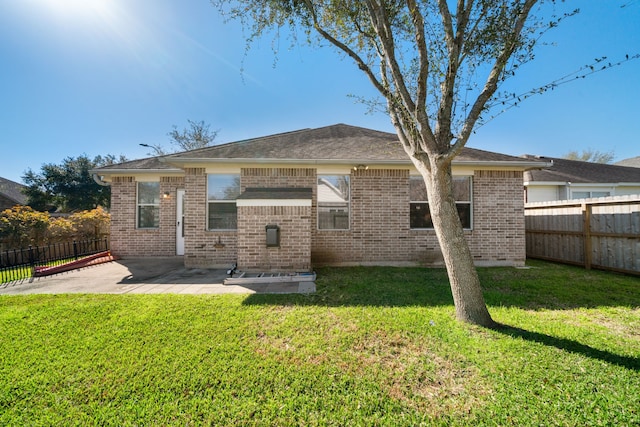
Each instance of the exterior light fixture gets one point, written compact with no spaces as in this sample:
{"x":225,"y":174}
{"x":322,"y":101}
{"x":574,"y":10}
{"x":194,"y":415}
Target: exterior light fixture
{"x":360,"y":168}
{"x":166,"y":195}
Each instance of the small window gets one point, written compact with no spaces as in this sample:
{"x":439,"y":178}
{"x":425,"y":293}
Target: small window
{"x":419,"y":213}
{"x":333,"y":202}
{"x":222,"y":192}
{"x":148,"y":201}
{"x":589,"y":194}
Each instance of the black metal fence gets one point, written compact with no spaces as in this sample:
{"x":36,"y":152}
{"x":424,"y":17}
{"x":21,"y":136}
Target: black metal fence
{"x":16,"y":264}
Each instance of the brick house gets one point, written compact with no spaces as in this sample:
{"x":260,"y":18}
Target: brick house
{"x":337,"y":195}
{"x":11,"y":194}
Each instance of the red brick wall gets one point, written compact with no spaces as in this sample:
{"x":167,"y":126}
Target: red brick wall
{"x":204,"y":248}
{"x":499,"y":232}
{"x":129,"y":241}
{"x":294,"y":252}
{"x":379,"y":224}
{"x":380,"y":233}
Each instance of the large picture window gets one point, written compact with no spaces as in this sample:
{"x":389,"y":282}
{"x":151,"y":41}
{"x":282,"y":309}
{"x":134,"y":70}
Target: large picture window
{"x":222,"y":192}
{"x":333,"y":202}
{"x":148,"y":205}
{"x":420,"y":215}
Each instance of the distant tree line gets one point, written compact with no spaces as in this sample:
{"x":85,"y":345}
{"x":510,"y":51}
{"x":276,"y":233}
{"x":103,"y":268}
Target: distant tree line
{"x":69,"y":186}
{"x":590,"y":155}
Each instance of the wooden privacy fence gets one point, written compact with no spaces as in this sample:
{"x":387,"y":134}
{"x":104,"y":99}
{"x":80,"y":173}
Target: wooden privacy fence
{"x":602,"y":233}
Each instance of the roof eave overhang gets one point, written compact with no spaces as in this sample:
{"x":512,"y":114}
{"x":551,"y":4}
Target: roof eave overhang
{"x":104,"y":172}
{"x":524,"y":165}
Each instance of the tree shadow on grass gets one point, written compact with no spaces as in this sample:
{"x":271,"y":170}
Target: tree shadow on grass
{"x":632,"y":363}
{"x":543,"y":286}
{"x":370,"y":286}
{"x":546,"y":286}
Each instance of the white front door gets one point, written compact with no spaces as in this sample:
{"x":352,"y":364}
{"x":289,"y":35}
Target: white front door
{"x":180,"y":222}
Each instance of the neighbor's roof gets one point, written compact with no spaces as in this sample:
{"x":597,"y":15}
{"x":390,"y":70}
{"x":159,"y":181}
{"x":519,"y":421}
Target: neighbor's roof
{"x":633,"y":162}
{"x":336,"y":144}
{"x":575,"y":171}
{"x":12,"y":190}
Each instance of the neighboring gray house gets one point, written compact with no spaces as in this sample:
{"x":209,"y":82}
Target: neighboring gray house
{"x":336,"y":195}
{"x":573,"y":179}
{"x":11,"y":194}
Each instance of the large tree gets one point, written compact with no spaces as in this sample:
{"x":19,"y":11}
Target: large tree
{"x":68,"y":186}
{"x":437,"y":65}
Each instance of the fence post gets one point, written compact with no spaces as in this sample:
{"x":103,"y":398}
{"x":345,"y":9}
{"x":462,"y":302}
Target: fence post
{"x":32,"y":259}
{"x":75,"y":249}
{"x":586,"y":234}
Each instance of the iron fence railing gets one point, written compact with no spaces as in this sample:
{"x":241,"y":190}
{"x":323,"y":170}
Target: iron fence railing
{"x":16,"y":264}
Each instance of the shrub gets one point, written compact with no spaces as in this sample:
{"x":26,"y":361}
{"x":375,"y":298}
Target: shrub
{"x":22,"y":226}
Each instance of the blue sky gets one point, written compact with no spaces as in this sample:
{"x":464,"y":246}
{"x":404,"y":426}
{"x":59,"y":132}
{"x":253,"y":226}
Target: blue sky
{"x":101,"y":77}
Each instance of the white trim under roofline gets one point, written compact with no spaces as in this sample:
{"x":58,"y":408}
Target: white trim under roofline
{"x":103,"y":172}
{"x":521,"y":164}
{"x":581,"y":184}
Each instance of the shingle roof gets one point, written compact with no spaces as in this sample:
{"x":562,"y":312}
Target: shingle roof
{"x":337,"y":142}
{"x":575,"y":171}
{"x":12,"y":190}
{"x":151,"y":163}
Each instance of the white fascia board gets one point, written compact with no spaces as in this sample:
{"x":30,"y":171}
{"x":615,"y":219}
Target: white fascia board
{"x":544,"y":183}
{"x":520,"y":165}
{"x":136,"y":171}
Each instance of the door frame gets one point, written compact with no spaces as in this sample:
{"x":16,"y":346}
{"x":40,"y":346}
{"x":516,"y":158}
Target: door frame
{"x":180,"y":221}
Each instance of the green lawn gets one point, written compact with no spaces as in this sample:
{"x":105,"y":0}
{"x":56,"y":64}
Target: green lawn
{"x":374,"y":346}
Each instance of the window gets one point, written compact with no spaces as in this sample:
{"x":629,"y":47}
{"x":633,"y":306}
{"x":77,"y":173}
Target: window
{"x":333,"y":202}
{"x":222,"y":191}
{"x":148,"y":210}
{"x":419,"y":214}
{"x":589,"y":194}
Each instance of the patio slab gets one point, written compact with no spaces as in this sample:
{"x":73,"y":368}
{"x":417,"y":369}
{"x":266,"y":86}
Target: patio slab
{"x":146,"y":276}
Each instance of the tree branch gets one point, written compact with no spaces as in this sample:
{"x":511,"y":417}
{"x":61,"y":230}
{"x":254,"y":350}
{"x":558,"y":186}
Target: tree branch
{"x":491,"y":83}
{"x":384,"y":32}
{"x":428,"y":139}
{"x":343,"y":47}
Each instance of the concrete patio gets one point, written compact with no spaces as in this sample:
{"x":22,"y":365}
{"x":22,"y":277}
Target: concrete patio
{"x":147,"y":276}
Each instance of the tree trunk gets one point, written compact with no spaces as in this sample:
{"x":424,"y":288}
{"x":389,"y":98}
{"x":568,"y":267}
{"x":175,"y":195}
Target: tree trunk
{"x":463,"y":276}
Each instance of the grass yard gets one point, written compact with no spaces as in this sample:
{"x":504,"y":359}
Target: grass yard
{"x":374,"y":346}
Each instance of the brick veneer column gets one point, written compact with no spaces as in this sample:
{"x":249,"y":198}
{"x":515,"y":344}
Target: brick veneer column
{"x":294,"y":252}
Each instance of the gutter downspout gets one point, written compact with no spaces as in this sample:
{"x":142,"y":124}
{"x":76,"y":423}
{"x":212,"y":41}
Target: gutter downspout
{"x":99,"y":180}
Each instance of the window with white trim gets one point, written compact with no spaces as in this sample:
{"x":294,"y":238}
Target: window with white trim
{"x":222,"y":192}
{"x":333,"y":202}
{"x":148,"y":205}
{"x":419,"y":213}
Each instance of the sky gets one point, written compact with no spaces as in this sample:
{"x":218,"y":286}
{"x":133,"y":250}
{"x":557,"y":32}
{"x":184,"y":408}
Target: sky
{"x":98,"y":77}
